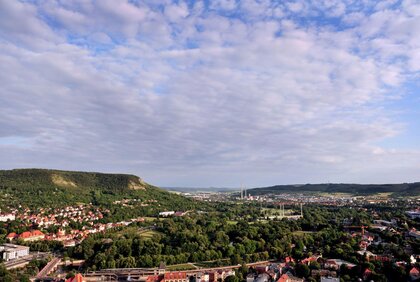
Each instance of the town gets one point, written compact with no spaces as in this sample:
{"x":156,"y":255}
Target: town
{"x":386,"y":238}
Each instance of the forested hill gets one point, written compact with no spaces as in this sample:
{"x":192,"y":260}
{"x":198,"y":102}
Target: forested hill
{"x":42,"y":187}
{"x":400,"y":189}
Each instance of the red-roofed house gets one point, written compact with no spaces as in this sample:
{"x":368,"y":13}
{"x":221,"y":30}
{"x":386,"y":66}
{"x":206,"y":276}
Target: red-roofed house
{"x":175,"y":277}
{"x":310,"y":259}
{"x":283,"y":278}
{"x":11,"y":236}
{"x":154,"y":278}
{"x":289,"y":259}
{"x":287,"y":278}
{"x":367,"y":273}
{"x":77,"y":278}
{"x":32,"y":236}
{"x":179,"y":213}
{"x":414,"y":273}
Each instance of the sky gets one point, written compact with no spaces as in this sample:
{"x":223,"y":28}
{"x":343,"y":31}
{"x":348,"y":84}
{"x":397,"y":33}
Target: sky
{"x":213,"y":93}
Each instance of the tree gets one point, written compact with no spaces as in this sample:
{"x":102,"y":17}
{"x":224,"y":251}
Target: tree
{"x":24,"y":278}
{"x":302,"y":270}
{"x":232,"y":278}
{"x":314,"y":265}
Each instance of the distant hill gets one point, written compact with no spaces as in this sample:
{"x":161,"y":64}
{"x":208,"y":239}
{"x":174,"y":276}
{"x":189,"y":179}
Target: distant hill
{"x":401,"y":189}
{"x":200,"y":189}
{"x":43,"y":187}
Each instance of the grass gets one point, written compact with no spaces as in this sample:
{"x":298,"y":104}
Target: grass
{"x":179,"y":267}
{"x":150,"y":218}
{"x":209,"y":264}
{"x":149,"y":234}
{"x":146,"y":234}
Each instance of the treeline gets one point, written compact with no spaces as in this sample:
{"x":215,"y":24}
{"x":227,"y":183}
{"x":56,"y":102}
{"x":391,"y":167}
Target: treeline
{"x":401,"y":189}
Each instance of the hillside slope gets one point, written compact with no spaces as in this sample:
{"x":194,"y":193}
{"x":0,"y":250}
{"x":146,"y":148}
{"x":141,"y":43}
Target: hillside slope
{"x":400,"y":189}
{"x":42,"y":187}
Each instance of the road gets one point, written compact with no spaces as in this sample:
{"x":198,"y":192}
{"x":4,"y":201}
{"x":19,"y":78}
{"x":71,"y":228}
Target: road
{"x":52,"y":265}
{"x":21,"y":262}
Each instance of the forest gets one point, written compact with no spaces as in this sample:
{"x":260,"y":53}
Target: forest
{"x":39,"y":188}
{"x":215,"y":238}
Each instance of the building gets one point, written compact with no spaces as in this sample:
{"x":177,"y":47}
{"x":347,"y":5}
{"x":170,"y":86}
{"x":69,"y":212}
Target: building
{"x":369,"y":255}
{"x":202,"y":277}
{"x":11,"y":251}
{"x":315,"y":273}
{"x":414,"y":273}
{"x":175,"y":277}
{"x":330,"y":279}
{"x":413,"y":214}
{"x":154,"y":278}
{"x":289,"y":278}
{"x":34,"y":235}
{"x":336,"y":264}
{"x":6,"y":217}
{"x":264,"y":277}
{"x":367,"y":273}
{"x":11,"y":236}
{"x":414,"y":233}
{"x":77,"y":278}
{"x":166,"y":213}
{"x":250,"y":277}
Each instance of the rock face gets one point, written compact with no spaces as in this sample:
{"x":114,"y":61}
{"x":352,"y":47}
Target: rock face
{"x":60,"y":181}
{"x":136,"y":185}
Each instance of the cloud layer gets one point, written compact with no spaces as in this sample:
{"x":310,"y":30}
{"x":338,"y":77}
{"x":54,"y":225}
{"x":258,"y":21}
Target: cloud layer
{"x":210,"y":93}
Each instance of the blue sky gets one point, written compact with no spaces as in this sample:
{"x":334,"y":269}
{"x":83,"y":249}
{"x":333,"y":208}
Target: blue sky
{"x":213,"y":93}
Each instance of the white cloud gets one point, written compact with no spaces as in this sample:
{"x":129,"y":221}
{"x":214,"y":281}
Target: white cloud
{"x":174,"y":12}
{"x":180,"y":89}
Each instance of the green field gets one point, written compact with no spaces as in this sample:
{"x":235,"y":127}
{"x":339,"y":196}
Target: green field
{"x":132,"y":231}
{"x":148,"y":234}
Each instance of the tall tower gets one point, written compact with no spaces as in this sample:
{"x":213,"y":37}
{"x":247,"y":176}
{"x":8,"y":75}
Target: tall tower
{"x":301,"y":210}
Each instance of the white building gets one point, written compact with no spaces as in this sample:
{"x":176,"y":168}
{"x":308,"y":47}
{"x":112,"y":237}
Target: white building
{"x":11,"y":251}
{"x":329,"y":279}
{"x":6,"y":217}
{"x":413,"y":214}
{"x":167,"y":213}
{"x":414,"y":233}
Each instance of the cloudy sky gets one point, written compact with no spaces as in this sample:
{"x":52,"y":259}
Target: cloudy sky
{"x":213,"y":93}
